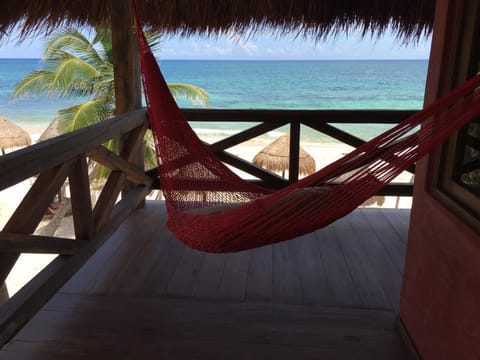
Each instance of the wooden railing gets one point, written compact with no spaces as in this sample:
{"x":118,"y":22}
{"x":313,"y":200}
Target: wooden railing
{"x":320,"y":120}
{"x":52,"y":162}
{"x":65,"y":157}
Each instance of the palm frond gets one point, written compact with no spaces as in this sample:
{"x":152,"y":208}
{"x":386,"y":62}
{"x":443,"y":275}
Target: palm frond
{"x":195,"y":94}
{"x":81,"y":115}
{"x":72,"y":70}
{"x":75,"y":42}
{"x":36,"y":82}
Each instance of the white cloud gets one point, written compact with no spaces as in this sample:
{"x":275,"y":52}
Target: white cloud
{"x":249,"y":48}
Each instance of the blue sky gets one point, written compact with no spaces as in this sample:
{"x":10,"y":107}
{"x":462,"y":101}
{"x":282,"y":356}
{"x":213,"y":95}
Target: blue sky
{"x":260,"y":47}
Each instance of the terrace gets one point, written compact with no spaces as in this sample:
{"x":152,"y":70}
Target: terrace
{"x":334,"y":292}
{"x":125,"y":288}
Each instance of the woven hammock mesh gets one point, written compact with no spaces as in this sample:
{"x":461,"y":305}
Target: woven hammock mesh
{"x":212,"y":209}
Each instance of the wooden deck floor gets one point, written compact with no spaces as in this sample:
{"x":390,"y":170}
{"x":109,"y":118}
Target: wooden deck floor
{"x":331,"y":294}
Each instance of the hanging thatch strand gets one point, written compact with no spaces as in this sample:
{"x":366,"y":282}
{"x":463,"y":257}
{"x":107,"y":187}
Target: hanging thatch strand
{"x":275,"y":157}
{"x":12,"y":135}
{"x":409,"y":18}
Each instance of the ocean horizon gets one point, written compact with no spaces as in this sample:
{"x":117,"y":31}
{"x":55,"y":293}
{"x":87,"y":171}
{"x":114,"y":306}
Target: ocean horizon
{"x":254,"y":84}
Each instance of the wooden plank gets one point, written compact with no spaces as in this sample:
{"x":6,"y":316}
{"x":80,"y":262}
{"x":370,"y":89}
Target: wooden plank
{"x":391,"y":241}
{"x":260,"y":274}
{"x":81,"y":199}
{"x":26,"y":302}
{"x":234,"y":279}
{"x":287,"y":287}
{"x":93,"y":278}
{"x":380,"y":264}
{"x":22,"y":243}
{"x":30,"y":161}
{"x":317,"y":116}
{"x":115,"y":162}
{"x":160,"y":328}
{"x":125,"y":272}
{"x":340,"y":283}
{"x":315,"y":288}
{"x":156,"y":284}
{"x":363,"y":274}
{"x":162,"y":250}
{"x":29,"y":213}
{"x":186,"y":273}
{"x":209,"y":277}
{"x":135,"y":279}
{"x":399,"y":219}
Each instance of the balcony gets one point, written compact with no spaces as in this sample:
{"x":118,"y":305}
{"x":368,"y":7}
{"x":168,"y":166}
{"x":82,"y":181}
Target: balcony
{"x":125,"y":287}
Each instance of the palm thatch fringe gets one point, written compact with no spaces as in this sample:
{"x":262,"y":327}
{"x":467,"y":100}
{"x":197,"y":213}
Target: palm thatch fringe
{"x":409,"y":18}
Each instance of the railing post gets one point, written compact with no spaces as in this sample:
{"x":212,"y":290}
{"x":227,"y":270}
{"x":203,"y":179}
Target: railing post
{"x":294,"y":151}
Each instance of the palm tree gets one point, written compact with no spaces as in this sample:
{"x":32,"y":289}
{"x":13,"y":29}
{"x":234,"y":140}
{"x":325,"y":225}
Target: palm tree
{"x":75,"y":66}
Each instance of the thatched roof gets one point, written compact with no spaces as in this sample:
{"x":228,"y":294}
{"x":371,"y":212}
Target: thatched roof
{"x":12,"y":135}
{"x":276,"y":157}
{"x":409,"y":18}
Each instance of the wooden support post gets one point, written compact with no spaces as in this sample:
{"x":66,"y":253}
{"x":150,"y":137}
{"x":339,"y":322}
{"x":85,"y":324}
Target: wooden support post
{"x":294,"y":151}
{"x":126,"y":63}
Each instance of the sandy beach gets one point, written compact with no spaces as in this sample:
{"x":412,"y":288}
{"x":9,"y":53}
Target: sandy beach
{"x":30,"y":264}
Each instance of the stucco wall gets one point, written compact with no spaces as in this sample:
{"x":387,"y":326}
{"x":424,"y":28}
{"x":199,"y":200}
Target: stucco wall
{"x":440,"y":301}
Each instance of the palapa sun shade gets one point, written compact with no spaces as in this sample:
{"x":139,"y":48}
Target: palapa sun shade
{"x":51,"y":131}
{"x":275,"y":157}
{"x":12,"y":135}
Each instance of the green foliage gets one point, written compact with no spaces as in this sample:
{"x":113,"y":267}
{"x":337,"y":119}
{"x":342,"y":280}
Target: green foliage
{"x":75,"y":66}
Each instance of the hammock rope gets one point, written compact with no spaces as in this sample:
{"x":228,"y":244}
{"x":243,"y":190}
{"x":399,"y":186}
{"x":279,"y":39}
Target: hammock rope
{"x":212,"y":209}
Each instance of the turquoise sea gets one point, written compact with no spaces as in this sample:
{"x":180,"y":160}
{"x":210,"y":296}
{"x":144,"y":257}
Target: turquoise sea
{"x":342,"y":84}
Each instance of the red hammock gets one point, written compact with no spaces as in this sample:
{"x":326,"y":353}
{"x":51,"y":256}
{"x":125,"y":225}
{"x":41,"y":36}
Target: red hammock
{"x":212,"y":209}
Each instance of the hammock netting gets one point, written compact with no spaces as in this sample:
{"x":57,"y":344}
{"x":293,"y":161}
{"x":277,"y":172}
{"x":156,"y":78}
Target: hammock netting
{"x":212,"y":209}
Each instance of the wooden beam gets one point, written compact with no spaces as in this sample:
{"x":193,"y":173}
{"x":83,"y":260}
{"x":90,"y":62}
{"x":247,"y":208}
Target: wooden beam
{"x":81,"y":199}
{"x":116,"y":181}
{"x":336,"y":133}
{"x":115,"y":162}
{"x":25,"y":303}
{"x":126,"y":60}
{"x":126,"y":66}
{"x":29,"y":213}
{"x":248,"y":167}
{"x":32,"y":160}
{"x":317,"y":116}
{"x":244,"y":136}
{"x":22,"y":243}
{"x":107,"y":199}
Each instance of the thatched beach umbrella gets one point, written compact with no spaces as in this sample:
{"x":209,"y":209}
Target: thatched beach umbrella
{"x":51,"y":131}
{"x":275,"y":157}
{"x":12,"y":135}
